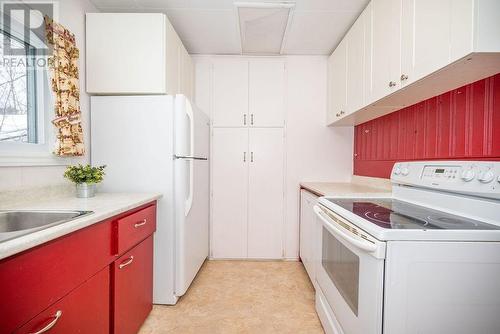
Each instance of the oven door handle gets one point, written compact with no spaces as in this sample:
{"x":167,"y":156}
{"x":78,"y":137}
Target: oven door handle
{"x":357,"y":242}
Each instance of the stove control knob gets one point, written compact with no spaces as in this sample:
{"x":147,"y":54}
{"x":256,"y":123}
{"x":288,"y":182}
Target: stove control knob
{"x":397,"y":171}
{"x":498,"y":179}
{"x":486,"y":176}
{"x":405,"y":171}
{"x":468,"y":175}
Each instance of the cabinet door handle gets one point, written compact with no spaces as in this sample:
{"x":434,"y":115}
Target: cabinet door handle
{"x":126,"y":262}
{"x":392,"y":84}
{"x":51,"y":324}
{"x":142,"y":223}
{"x":251,"y":119}
{"x":342,"y":112}
{"x":244,"y":119}
{"x":251,"y":156}
{"x":244,"y":156}
{"x":404,"y":77}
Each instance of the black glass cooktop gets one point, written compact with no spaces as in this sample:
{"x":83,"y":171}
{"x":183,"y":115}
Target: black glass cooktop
{"x":394,"y":214}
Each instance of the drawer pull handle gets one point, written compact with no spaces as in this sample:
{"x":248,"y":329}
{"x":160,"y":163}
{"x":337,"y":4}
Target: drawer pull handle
{"x":126,"y":263}
{"x":142,"y":223}
{"x":51,"y":324}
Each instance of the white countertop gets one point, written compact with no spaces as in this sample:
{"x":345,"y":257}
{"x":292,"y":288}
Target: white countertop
{"x":104,"y":206}
{"x":342,"y":189}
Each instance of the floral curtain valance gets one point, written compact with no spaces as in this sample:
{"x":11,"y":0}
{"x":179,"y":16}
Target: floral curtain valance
{"x":63,"y":66}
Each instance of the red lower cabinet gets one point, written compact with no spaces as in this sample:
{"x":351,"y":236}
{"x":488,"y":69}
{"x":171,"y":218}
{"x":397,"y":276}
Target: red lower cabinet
{"x":85,"y":310}
{"x":76,"y":284}
{"x":133,"y":288}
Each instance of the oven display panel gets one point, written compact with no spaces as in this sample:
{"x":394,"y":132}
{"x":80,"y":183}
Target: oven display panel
{"x":449,"y":173}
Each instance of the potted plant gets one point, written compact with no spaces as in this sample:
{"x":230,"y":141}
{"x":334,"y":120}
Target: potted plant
{"x":85,"y":177}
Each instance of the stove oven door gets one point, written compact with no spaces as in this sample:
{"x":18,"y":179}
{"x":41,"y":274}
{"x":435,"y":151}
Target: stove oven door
{"x":350,"y":274}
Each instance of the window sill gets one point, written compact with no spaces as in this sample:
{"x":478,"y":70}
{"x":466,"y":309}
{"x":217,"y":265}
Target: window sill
{"x":35,"y":160}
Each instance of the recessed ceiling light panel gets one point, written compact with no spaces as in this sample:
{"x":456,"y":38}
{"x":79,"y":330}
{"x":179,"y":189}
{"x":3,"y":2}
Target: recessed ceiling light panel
{"x":263,"y":26}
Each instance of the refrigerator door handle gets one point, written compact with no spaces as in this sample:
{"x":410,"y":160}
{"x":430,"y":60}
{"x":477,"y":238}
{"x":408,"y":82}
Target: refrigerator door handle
{"x":189,"y":157}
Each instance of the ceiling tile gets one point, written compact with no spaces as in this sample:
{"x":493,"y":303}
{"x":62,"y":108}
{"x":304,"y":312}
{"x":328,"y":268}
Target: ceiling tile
{"x":123,"y":4}
{"x":317,"y":32}
{"x":215,"y":27}
{"x":220,"y":47}
{"x":192,"y":4}
{"x":332,"y":5}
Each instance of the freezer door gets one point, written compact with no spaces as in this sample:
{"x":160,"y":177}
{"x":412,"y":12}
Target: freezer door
{"x":192,"y":137}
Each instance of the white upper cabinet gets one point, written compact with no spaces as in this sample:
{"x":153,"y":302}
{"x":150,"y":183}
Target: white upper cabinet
{"x":135,"y":53}
{"x":266,"y":93}
{"x":386,"y":48}
{"x":434,"y":34}
{"x":230,"y":93}
{"x":186,"y":77}
{"x":248,"y":92}
{"x":337,"y":82}
{"x":126,"y":53}
{"x":173,"y":58}
{"x":427,"y":47}
{"x":355,"y":65}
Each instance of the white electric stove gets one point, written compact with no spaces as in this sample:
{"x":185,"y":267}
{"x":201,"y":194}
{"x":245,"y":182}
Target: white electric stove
{"x":425,"y":260}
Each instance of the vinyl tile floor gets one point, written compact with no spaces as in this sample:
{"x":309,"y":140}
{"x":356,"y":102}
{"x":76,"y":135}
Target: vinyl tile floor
{"x":241,"y":297}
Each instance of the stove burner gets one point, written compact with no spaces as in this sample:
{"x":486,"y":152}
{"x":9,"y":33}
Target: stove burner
{"x":381,"y":217}
{"x":447,"y":222}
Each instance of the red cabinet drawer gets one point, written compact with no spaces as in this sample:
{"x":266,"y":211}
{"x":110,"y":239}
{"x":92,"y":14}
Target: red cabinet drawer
{"x":133,"y":288}
{"x":85,"y":310}
{"x":33,"y":280}
{"x":135,"y":227}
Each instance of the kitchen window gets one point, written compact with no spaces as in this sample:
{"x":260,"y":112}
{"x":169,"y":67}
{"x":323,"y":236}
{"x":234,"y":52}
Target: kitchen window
{"x":26,"y":104}
{"x":18,"y":95}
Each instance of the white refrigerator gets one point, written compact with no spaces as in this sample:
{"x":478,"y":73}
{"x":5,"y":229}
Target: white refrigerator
{"x":159,"y":144}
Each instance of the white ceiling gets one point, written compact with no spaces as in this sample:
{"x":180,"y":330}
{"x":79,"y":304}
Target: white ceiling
{"x":211,"y":26}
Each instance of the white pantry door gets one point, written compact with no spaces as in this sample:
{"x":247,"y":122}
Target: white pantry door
{"x":265,"y":193}
{"x":266,"y":101}
{"x":229,"y":192}
{"x":230,"y":93}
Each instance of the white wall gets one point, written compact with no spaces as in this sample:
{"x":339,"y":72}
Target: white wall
{"x":72,"y":16}
{"x":313,"y":151}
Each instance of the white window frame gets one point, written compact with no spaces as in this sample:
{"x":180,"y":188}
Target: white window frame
{"x":40,"y":153}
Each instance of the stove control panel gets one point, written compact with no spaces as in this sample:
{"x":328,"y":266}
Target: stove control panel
{"x":442,"y":173}
{"x":477,"y":178}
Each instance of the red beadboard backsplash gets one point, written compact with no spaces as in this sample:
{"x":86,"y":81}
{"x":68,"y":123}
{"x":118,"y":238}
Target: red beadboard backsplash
{"x":462,"y":124}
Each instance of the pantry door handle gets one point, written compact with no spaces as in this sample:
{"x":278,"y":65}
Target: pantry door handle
{"x":251,"y":119}
{"x":251,"y":156}
{"x":126,"y":263}
{"x":142,"y":223}
{"x":51,"y":324}
{"x":244,"y":119}
{"x":244,"y":156}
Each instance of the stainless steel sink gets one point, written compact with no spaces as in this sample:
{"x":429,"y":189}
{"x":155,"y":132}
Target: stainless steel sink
{"x":14,"y":224}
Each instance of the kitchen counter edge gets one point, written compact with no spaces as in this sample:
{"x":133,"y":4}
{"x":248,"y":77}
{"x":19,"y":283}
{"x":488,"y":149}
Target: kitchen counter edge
{"x":104,"y":206}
